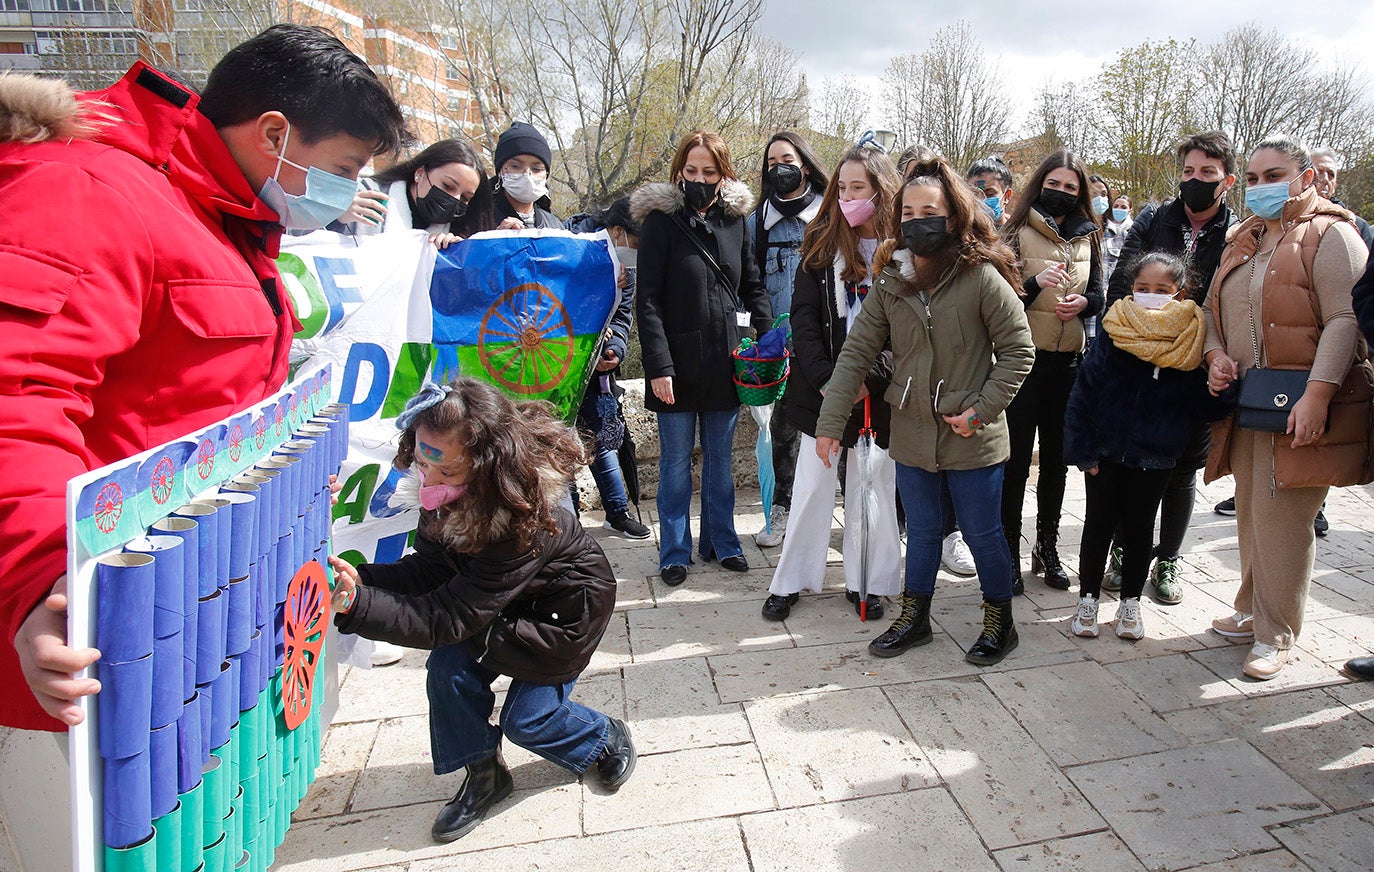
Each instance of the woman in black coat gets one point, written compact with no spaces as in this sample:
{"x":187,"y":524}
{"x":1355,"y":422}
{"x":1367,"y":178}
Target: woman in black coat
{"x":503,"y":581}
{"x":698,"y":293}
{"x":828,"y":292}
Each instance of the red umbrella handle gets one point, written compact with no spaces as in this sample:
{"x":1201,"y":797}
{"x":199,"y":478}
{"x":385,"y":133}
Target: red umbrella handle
{"x":868,"y":414}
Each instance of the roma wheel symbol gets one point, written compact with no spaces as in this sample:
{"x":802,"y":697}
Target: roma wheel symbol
{"x":525,"y":341}
{"x":205,"y":459}
{"x":109,"y":505}
{"x":236,"y":443}
{"x":307,"y":617}
{"x":164,"y":475}
{"x":260,"y":432}
{"x":280,"y":418}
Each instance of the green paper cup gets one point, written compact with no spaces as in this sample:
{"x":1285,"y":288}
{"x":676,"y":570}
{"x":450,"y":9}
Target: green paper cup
{"x":141,"y":857}
{"x":214,"y":855}
{"x":193,"y":826}
{"x":168,"y":830}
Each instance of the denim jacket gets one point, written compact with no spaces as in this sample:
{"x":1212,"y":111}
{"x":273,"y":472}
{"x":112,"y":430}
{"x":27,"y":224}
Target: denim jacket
{"x":783,"y":255}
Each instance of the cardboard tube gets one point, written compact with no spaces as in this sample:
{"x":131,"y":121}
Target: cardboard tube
{"x":248,"y":672}
{"x":169,"y":568}
{"x":224,"y":709}
{"x":141,"y":857}
{"x":224,"y":528}
{"x":168,"y":830}
{"x":162,"y":769}
{"x":128,"y":801}
{"x":241,"y":616}
{"x":215,"y":800}
{"x":193,"y":825}
{"x":190,"y":749}
{"x":214,"y":852}
{"x":210,"y":650}
{"x":187,"y":530}
{"x":207,"y":546}
{"x":243,"y":512}
{"x":124,"y":607}
{"x":169,"y":676}
{"x":124,"y":713}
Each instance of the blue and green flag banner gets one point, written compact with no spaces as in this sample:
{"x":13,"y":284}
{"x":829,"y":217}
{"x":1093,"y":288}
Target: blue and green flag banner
{"x":524,"y":310}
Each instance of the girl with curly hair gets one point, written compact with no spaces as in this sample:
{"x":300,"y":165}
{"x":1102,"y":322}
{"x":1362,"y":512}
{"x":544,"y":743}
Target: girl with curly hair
{"x":503,"y":581}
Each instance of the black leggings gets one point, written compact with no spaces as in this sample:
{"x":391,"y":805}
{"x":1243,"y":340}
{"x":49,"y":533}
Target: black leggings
{"x":1119,"y":497}
{"x":1039,"y":406}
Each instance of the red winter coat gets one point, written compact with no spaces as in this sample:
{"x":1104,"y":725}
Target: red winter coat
{"x":139,"y":300}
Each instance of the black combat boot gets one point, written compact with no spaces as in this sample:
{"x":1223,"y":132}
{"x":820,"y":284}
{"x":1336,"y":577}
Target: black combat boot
{"x":1018,"y":586}
{"x":488,"y":783}
{"x":1045,"y":556}
{"x":911,"y":628}
{"x":999,"y":634}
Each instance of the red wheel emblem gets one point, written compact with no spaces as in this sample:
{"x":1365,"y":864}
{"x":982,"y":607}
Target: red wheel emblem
{"x":280,"y":418}
{"x":260,"y":432}
{"x":109,"y":505}
{"x":525,"y":340}
{"x":236,"y":443}
{"x":205,"y":459}
{"x":164,"y":475}
{"x":307,"y":617}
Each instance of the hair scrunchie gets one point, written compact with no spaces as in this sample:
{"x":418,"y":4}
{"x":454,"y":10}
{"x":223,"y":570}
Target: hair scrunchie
{"x":430,"y":395}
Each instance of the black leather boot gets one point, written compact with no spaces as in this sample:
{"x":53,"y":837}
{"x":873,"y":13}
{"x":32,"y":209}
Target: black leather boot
{"x":617,"y":761}
{"x":488,"y":783}
{"x":911,"y":628}
{"x":1018,"y":586}
{"x":1045,"y":556}
{"x":999,"y":634}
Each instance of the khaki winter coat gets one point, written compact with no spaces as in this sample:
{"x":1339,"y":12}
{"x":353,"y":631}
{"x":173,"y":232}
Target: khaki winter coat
{"x":965,"y":345}
{"x":1041,"y":245}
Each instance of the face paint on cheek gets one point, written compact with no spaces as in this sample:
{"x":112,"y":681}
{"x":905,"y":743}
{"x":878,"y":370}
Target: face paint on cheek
{"x":429,"y":452}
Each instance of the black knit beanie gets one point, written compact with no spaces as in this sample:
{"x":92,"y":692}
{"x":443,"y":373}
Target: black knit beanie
{"x":522,"y":138}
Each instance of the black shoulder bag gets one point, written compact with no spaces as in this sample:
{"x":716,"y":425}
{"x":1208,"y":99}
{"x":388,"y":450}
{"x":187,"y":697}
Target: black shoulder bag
{"x":1267,"y":396}
{"x":741,"y":331}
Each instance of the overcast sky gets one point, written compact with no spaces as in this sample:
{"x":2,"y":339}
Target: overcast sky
{"x":1069,"y":43}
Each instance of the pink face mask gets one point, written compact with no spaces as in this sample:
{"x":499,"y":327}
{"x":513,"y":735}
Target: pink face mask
{"x":432,"y":496}
{"x":857,"y":212}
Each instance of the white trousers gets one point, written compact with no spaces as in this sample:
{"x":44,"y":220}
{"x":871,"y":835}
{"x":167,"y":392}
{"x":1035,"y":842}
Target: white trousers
{"x":802,"y":564}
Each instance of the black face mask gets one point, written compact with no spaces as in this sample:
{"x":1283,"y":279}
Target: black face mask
{"x":699,"y":194}
{"x":784,"y":178}
{"x":1198,"y":196}
{"x":925,"y":236}
{"x":438,"y":207}
{"x":1057,"y":203}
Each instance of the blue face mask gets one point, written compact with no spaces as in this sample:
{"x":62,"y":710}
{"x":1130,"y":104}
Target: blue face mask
{"x":1100,"y":205}
{"x":994,"y":205}
{"x":326,"y":196}
{"x":1267,"y":201}
{"x":1119,"y":215}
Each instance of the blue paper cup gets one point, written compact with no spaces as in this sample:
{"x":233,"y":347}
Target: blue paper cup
{"x":190,"y":746}
{"x":124,"y":711}
{"x":162,"y":767}
{"x":207,"y":546}
{"x":125,"y":585}
{"x":169,"y":569}
{"x":128,"y":797}
{"x":210,"y":648}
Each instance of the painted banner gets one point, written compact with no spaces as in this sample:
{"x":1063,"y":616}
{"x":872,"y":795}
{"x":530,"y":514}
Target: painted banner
{"x":525,"y":310}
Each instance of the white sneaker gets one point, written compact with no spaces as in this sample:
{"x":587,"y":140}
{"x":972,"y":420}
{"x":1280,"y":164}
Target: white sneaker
{"x":385,"y":653}
{"x":1265,"y":661}
{"x":1235,"y":626}
{"x":1085,"y":621}
{"x":956,"y":557}
{"x":1129,"y":624}
{"x":778,"y":525}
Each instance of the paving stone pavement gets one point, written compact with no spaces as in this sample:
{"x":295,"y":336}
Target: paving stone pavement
{"x":781,"y":746}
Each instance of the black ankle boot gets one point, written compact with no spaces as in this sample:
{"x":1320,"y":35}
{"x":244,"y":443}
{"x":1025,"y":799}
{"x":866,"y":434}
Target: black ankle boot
{"x":1018,"y":586}
{"x":488,"y":783}
{"x":999,"y":634}
{"x":911,"y":628}
{"x":1045,"y":557}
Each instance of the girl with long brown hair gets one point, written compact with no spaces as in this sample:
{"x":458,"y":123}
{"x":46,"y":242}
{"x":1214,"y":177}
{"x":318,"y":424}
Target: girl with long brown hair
{"x":855,"y":215}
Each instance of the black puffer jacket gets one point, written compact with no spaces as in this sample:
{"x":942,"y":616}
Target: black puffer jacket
{"x":534,"y":614}
{"x":1130,"y":412}
{"x":820,"y":323}
{"x":686,"y":313}
{"x":1167,"y":229}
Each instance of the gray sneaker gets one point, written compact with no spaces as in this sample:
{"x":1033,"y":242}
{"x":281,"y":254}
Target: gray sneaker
{"x":778,"y":523}
{"x":1113,"y":580}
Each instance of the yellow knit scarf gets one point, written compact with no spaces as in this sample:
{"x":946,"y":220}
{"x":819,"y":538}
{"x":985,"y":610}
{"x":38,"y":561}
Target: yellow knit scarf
{"x":1170,"y":337}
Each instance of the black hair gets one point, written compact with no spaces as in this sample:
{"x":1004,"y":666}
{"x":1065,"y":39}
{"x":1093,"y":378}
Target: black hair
{"x":1212,"y":143}
{"x":816,"y":177}
{"x":312,"y":78}
{"x":478,"y":216}
{"x":1173,"y":265}
{"x":1106,"y":184}
{"x":618,"y":215}
{"x":992,"y":165}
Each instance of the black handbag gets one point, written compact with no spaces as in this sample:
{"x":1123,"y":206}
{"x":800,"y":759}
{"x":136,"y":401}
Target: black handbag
{"x":1267,"y":396}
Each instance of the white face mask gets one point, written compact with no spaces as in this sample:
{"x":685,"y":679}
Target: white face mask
{"x":1151,"y":301}
{"x":524,"y":187}
{"x":628,"y":257}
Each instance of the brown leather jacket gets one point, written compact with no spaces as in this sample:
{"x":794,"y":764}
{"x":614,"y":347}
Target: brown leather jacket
{"x":1291,"y":325}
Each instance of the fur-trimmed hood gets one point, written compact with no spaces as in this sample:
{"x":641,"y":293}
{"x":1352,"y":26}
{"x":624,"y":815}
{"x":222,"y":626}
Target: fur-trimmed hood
{"x":38,"y":110}
{"x":734,"y":197}
{"x":892,"y":254}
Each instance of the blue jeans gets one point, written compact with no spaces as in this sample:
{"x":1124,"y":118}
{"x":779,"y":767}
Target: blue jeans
{"x":610,"y":483}
{"x":676,"y":438}
{"x":977,"y":496}
{"x":538,"y":717}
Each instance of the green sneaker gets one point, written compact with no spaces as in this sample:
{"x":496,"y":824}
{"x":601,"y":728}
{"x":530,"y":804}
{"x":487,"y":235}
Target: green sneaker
{"x":1164,"y":576}
{"x":1113,"y":580}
